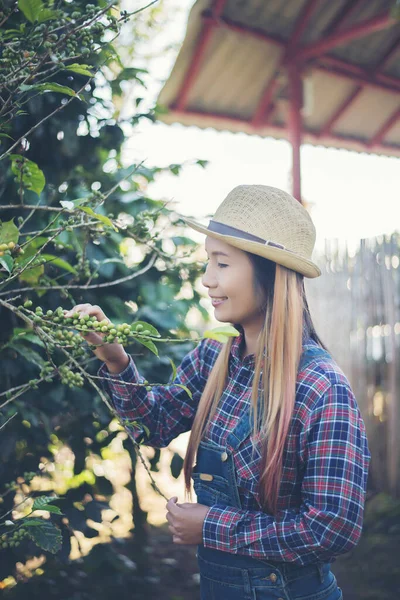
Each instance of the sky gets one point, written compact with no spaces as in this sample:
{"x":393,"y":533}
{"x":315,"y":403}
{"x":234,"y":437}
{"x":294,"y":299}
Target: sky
{"x":350,"y":195}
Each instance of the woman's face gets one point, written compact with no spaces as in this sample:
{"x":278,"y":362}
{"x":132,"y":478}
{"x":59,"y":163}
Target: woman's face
{"x":229,"y":277}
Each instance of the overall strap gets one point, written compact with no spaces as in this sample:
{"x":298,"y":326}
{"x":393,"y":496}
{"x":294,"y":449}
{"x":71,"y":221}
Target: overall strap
{"x":244,"y":427}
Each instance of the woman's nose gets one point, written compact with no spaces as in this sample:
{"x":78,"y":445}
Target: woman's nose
{"x":208,"y":280}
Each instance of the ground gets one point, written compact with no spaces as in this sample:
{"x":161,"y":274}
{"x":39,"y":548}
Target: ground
{"x":161,"y":570}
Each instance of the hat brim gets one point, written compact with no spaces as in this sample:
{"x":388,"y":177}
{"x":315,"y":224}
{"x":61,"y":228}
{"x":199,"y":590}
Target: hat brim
{"x":282,"y":257}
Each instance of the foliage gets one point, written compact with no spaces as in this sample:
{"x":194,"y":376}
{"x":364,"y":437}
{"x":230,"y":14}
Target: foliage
{"x":76,"y":226}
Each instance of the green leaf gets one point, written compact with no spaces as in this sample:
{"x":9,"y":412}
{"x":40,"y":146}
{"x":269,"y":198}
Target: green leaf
{"x":41,"y":501}
{"x":52,"y":509}
{"x":153,"y":331}
{"x":8,"y":232}
{"x":31,"y":522}
{"x":202,"y":163}
{"x":221,"y":334}
{"x":32,"y":275}
{"x":28,"y":353}
{"x":33,"y":180}
{"x":189,"y":393}
{"x":175,"y":169}
{"x":46,"y":15}
{"x":50,"y":87}
{"x":101,"y":218}
{"x":80,"y":69}
{"x":46,"y":535}
{"x":173,"y":369}
{"x":60,"y":262}
{"x":149,"y":344}
{"x":30,"y":8}
{"x":7,"y":262}
{"x":24,"y":334}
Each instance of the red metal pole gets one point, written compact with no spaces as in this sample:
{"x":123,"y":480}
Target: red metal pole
{"x":295,"y":125}
{"x":265,"y":106}
{"x":301,"y":23}
{"x":336,"y":39}
{"x":377,"y":81}
{"x":260,"y":116}
{"x":378,"y":137}
{"x":385,"y":60}
{"x":344,"y":15}
{"x":256,"y":32}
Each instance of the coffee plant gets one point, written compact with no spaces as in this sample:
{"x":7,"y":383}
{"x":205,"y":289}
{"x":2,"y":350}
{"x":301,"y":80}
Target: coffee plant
{"x":77,"y":225}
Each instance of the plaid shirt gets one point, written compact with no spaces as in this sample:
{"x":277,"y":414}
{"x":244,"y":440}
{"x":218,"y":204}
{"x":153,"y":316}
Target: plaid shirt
{"x":326,"y":458}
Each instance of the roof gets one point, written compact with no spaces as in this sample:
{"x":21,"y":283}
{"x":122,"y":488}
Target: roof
{"x":232,"y":71}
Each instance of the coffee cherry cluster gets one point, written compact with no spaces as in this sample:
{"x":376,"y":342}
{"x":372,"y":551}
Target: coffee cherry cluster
{"x":10,"y":248}
{"x":70,"y":34}
{"x":70,"y":378}
{"x":13,"y":539}
{"x":63,"y":332}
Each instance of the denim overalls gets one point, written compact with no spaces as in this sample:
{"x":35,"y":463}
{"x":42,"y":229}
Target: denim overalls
{"x":227,"y":576}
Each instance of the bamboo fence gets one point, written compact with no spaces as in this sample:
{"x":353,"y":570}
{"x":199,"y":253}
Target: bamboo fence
{"x":355,"y":307}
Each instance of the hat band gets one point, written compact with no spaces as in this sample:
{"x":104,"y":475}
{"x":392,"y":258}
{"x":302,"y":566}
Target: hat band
{"x":217,"y":227}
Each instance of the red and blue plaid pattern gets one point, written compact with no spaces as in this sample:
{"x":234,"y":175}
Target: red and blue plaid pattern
{"x":326,"y":457}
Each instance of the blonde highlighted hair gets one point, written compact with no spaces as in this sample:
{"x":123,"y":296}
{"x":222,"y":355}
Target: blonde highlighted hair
{"x":283,"y":301}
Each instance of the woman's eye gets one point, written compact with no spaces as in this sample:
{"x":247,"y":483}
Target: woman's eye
{"x":220,"y":265}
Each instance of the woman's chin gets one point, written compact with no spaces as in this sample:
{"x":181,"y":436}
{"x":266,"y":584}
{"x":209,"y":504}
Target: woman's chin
{"x":222,"y":319}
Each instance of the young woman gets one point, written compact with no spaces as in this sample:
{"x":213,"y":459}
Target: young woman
{"x":279,"y":445}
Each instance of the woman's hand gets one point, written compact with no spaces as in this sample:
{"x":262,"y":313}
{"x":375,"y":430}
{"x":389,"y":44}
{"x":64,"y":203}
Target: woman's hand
{"x":113,"y":354}
{"x":186,"y":521}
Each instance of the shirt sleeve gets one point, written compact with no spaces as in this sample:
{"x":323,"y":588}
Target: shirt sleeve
{"x":329,"y":519}
{"x":158,"y":416}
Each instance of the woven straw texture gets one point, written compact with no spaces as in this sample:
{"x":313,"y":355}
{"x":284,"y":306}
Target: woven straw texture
{"x":271,"y":214}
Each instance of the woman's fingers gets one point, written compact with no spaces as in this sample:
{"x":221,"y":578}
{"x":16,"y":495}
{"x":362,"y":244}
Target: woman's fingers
{"x":93,"y":310}
{"x":112,"y":352}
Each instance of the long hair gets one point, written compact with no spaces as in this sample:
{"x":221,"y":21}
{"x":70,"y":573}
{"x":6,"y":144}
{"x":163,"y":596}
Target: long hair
{"x":282,"y":299}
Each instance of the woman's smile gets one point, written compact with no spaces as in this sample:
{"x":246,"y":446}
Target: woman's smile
{"x":217,"y":301}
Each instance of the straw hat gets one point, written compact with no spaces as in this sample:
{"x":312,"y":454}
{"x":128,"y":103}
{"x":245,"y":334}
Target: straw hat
{"x":266,"y":221}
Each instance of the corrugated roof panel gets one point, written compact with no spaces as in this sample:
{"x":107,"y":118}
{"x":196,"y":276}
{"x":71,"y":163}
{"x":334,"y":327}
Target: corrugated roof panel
{"x":368,"y":50}
{"x":320,"y":19}
{"x":184,"y":59}
{"x":233,"y":82}
{"x":358,"y":119}
{"x":324,"y":97}
{"x":236,"y":67}
{"x":271,"y":16}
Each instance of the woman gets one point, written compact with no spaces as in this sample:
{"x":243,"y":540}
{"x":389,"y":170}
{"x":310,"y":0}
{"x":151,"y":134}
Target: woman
{"x":279,"y":443}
